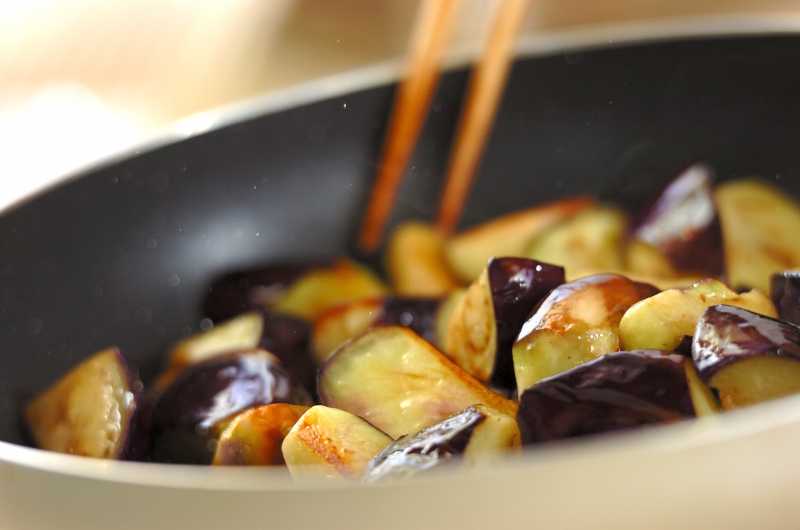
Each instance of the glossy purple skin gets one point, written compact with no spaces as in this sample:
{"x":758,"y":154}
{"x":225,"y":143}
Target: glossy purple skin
{"x":685,"y":346}
{"x":417,"y":314}
{"x":290,"y":340}
{"x":427,"y":448}
{"x":190,"y":410}
{"x":692,"y":242}
{"x":726,"y":334}
{"x":617,"y":391}
{"x":785,"y":293}
{"x":517,"y":286}
{"x":239,"y":292}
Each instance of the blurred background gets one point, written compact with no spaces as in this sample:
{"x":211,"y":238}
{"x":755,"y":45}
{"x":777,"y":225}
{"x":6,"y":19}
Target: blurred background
{"x":81,"y":80}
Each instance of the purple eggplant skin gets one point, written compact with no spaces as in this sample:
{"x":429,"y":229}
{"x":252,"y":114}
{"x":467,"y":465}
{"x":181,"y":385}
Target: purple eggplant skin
{"x":726,"y":334}
{"x":190,"y":414}
{"x":785,"y":294}
{"x":517,"y":286}
{"x":682,"y":222}
{"x":239,"y":292}
{"x":290,"y":340}
{"x":138,"y":441}
{"x":423,"y":450}
{"x":417,"y":314}
{"x":685,"y":346}
{"x":617,"y":391}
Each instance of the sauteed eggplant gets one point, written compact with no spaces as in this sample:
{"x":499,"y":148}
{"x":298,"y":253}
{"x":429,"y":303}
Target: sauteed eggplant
{"x":581,"y":321}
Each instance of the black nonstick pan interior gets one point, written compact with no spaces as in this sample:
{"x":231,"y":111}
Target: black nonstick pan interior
{"x":123,"y":255}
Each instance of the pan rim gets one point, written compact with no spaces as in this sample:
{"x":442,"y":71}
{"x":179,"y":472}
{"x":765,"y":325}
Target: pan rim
{"x":542,"y":44}
{"x":624,"y":447}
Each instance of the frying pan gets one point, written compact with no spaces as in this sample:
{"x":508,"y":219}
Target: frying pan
{"x":123,"y":255}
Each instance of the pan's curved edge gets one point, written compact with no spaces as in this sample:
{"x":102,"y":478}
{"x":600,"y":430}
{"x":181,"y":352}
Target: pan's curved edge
{"x":530,"y":45}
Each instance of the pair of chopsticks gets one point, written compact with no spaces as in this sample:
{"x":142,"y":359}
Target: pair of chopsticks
{"x":488,"y":79}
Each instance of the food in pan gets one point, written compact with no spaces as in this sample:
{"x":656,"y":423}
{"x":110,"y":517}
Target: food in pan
{"x":564,"y":320}
{"x":98,"y":409}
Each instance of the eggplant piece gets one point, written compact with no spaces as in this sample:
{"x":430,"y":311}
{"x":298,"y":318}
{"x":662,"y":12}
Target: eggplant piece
{"x":193,"y":411}
{"x":243,"y":291}
{"x":444,"y":315}
{"x":301,"y":291}
{"x":509,"y":235}
{"x":617,"y":391}
{"x":342,"y":323}
{"x":785,"y":293}
{"x":421,"y":315}
{"x":254,"y":437}
{"x":642,"y":259}
{"x":98,"y":409}
{"x":323,"y":289}
{"x":759,"y":227}
{"x":682,"y":223}
{"x":662,"y":321}
{"x":400,"y":383}
{"x":577,"y":322}
{"x":663,"y":283}
{"x":476,"y":435}
{"x":287,"y":338}
{"x":331,"y":444}
{"x":415,"y":262}
{"x":746,"y":357}
{"x":488,"y":318}
{"x":589,"y":242}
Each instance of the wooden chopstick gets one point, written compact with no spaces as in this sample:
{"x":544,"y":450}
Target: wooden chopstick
{"x":431,"y":33}
{"x":483,"y":97}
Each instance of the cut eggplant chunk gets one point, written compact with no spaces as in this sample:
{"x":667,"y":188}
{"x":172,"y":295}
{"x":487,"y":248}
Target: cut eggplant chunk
{"x":577,"y":322}
{"x":471,"y":336}
{"x":97,"y":409}
{"x":684,"y":225}
{"x":662,"y":321}
{"x":705,"y":401}
{"x":331,"y":444}
{"x":759,"y":226}
{"x":617,"y":391}
{"x":240,"y":333}
{"x":193,"y":411}
{"x":642,"y":259}
{"x":510,"y":235}
{"x":342,"y":323}
{"x":746,"y":357}
{"x":243,"y":291}
{"x":485,"y":322}
{"x":254,"y":437}
{"x":415,"y":262}
{"x":297,"y":290}
{"x":475,"y":436}
{"x":323,"y":289}
{"x":756,"y":380}
{"x":785,"y":293}
{"x":400,"y":383}
{"x":345,"y":322}
{"x":287,"y":338}
{"x":592,"y":240}
{"x":444,"y":316}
